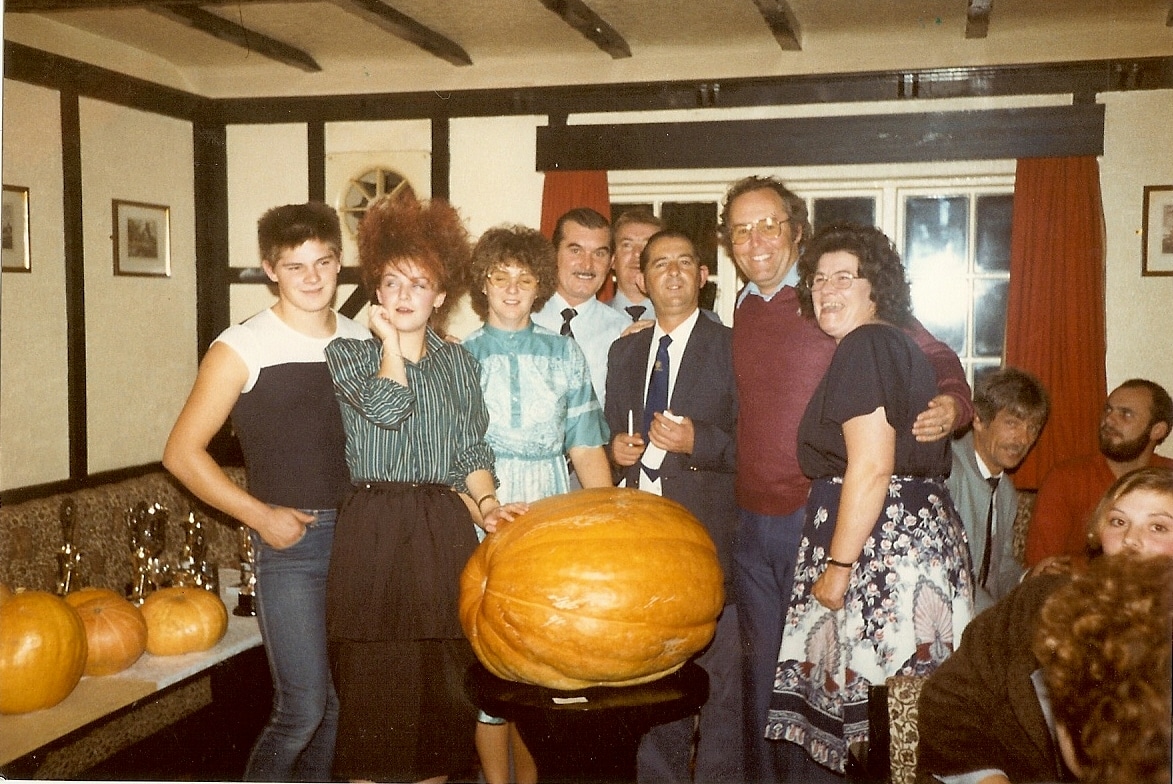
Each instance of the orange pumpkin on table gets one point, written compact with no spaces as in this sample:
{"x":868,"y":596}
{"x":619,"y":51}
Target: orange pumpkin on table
{"x":599,"y":587}
{"x":42,"y":651}
{"x":116,"y":632}
{"x":183,"y":619}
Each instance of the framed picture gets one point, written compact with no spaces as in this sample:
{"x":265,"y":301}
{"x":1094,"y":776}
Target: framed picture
{"x":1156,"y":250}
{"x":14,"y":230}
{"x":142,"y":239}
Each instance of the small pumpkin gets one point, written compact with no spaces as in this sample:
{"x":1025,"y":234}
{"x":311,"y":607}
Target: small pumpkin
{"x":42,"y":651}
{"x":116,"y":632}
{"x":598,"y":587}
{"x":183,"y":619}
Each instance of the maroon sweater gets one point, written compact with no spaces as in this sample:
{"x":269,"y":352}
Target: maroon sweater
{"x":779,"y":358}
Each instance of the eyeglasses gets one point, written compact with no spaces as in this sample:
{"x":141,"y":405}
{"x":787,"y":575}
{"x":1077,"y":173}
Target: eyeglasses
{"x":838,"y":280}
{"x":767,"y":228}
{"x":501,"y":280}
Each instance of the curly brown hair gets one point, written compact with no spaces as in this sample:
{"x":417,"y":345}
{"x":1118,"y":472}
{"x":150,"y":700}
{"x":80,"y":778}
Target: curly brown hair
{"x":879,"y":264}
{"x":504,"y":245}
{"x":399,"y":229}
{"x":1104,"y":642}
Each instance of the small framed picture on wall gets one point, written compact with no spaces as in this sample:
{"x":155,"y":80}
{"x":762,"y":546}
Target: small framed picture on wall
{"x":1157,"y":235}
{"x":142,"y":239}
{"x":14,"y":230}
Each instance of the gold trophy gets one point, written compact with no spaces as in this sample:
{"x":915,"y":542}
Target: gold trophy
{"x":69,"y":556}
{"x":147,"y":526}
{"x":193,"y":568}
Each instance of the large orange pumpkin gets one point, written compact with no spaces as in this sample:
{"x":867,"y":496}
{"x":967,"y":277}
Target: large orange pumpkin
{"x":599,"y":587}
{"x":42,"y":651}
{"x":116,"y":632}
{"x":183,"y":620}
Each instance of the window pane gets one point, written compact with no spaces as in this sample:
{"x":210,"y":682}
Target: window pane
{"x":993,"y":232}
{"x":989,"y":317}
{"x":936,"y":236}
{"x":847,"y":209}
{"x":982,"y":370}
{"x":941,"y":305}
{"x":699,"y":221}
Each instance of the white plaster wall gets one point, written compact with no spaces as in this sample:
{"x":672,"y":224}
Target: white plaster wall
{"x":140,"y":332}
{"x":1138,"y":140}
{"x":34,"y":426}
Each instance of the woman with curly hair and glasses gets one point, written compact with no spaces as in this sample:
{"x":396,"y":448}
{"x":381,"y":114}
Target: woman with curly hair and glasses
{"x":882,"y":579}
{"x":984,"y":716}
{"x":422,"y":475}
{"x":542,"y":407}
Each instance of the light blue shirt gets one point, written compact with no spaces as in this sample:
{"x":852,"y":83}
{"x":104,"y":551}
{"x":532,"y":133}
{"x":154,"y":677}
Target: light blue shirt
{"x":595,"y":328}
{"x":620,"y":302}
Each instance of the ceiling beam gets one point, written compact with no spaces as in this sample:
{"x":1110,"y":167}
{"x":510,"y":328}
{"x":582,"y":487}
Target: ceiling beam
{"x":387,"y":18}
{"x":232,"y":33}
{"x":47,"y":6}
{"x":977,"y":18}
{"x":578,"y":15}
{"x":782,"y":23}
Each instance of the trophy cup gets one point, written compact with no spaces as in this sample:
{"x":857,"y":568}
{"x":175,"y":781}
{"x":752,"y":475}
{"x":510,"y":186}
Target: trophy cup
{"x":147,"y":525}
{"x":69,"y":556}
{"x":246,"y":604}
{"x":193,"y":568}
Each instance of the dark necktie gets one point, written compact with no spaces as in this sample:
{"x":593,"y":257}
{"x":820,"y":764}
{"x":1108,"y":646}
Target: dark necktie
{"x":985,"y":568}
{"x":567,"y":315}
{"x":635,"y":311}
{"x":657,"y":399}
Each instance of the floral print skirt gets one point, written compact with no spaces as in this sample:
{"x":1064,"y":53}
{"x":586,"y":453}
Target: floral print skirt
{"x":909,"y":599}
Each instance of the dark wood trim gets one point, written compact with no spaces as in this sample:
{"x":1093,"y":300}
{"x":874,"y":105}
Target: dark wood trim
{"x":590,"y":26}
{"x":401,"y":25}
{"x":73,"y":239}
{"x":1078,"y":78}
{"x":782,"y":22}
{"x":250,"y":40}
{"x":441,"y":158}
{"x":46,"y":6}
{"x":34,"y":66}
{"x":815,"y":141}
{"x":210,"y":154}
{"x":316,"y":160}
{"x":33,"y":492}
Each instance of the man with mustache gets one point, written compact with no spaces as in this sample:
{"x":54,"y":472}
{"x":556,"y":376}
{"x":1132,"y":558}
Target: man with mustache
{"x":1137,"y":418}
{"x":1010,"y":409}
{"x":582,"y":238}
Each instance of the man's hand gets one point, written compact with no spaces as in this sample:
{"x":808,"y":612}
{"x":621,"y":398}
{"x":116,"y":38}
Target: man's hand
{"x":672,"y":433}
{"x":637,"y":326}
{"x":937,"y":421}
{"x":627,"y":448}
{"x":282,"y":527}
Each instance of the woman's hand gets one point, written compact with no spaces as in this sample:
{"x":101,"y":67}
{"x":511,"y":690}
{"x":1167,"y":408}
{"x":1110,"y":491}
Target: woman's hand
{"x":282,"y":527}
{"x":503,"y":513}
{"x":831,"y":587}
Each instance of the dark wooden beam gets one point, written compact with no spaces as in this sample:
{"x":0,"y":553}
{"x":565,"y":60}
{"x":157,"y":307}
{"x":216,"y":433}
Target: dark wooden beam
{"x":826,"y":141}
{"x":73,"y":237}
{"x":977,"y":18}
{"x":232,"y":33}
{"x":387,"y":18}
{"x":48,"y":6}
{"x":782,"y":23}
{"x":578,"y":15}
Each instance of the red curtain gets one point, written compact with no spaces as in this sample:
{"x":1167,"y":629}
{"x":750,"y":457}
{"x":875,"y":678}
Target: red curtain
{"x":565,"y":190}
{"x":1055,"y":315}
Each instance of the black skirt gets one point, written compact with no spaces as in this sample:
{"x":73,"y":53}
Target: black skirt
{"x":397,"y":652}
{"x":395,"y":568}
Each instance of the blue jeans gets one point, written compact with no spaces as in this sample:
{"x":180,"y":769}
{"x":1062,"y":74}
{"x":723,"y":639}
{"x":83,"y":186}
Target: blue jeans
{"x":764,"y":552}
{"x":298,"y":742}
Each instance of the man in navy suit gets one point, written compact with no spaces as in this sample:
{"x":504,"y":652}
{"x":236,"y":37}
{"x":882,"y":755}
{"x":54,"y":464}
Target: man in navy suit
{"x":672,"y":408}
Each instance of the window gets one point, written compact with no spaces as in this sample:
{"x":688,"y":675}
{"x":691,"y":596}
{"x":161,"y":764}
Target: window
{"x":952,"y":231}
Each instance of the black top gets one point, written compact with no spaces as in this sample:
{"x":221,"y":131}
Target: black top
{"x":874,"y":365}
